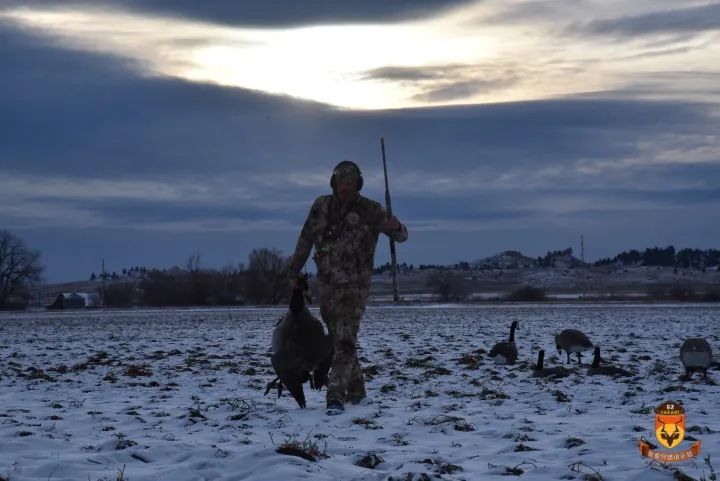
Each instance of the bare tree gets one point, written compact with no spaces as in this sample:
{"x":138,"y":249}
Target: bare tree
{"x":267,"y":276}
{"x":19,"y":268}
{"x":193,"y":262}
{"x":448,"y":285}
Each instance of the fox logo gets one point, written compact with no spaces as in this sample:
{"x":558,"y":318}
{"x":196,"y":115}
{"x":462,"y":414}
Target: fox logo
{"x":670,"y":434}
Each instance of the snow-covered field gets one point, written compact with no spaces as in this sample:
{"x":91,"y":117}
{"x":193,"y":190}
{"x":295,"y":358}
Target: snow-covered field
{"x":177,"y":395}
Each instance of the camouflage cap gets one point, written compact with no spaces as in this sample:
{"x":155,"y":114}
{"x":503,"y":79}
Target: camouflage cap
{"x":346,"y":172}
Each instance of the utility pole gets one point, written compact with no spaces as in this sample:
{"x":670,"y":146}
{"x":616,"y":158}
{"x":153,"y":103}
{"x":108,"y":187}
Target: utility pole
{"x":582,"y":258}
{"x":103,"y":284}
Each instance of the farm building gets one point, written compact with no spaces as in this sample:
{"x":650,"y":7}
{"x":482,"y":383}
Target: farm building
{"x":75,"y":300}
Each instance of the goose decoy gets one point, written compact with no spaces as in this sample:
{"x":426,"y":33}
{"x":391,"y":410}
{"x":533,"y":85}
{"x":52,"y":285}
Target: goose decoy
{"x":539,"y":370}
{"x":300,"y":347}
{"x":572,"y":341}
{"x":696,"y":355}
{"x":597,"y":370}
{"x":505,"y":352}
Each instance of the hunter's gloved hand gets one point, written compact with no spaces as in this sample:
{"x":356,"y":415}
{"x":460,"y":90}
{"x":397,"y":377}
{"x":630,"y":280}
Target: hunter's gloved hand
{"x":392,"y":224}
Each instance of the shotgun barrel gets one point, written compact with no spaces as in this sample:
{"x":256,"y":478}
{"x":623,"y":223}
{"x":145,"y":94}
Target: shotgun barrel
{"x":388,"y":207}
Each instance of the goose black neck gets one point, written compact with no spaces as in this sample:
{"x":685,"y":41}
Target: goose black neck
{"x":596,"y":358}
{"x":541,"y":358}
{"x":512,"y":331}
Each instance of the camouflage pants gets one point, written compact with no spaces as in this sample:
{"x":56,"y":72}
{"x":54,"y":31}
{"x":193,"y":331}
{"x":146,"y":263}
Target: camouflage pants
{"x":342,"y":307}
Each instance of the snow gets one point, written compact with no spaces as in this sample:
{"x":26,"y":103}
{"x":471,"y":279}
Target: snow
{"x":178,"y":395}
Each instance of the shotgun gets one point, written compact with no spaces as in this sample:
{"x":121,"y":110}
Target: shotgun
{"x":388,"y":207}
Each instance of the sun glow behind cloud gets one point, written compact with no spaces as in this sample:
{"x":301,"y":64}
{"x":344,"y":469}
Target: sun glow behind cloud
{"x":459,"y":57}
{"x":321,"y":63}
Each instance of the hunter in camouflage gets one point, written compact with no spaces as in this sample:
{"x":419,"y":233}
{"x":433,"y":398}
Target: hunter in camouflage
{"x":343,"y":228}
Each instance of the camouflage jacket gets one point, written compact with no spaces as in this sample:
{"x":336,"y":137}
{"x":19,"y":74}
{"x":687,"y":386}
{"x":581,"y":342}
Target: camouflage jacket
{"x":344,"y":237}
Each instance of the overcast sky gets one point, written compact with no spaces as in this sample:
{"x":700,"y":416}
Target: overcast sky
{"x":144,"y":131}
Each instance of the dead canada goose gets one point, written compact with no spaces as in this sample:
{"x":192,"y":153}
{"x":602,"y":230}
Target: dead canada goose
{"x":539,"y":370}
{"x":696,"y":355}
{"x":572,"y":341}
{"x":597,"y":370}
{"x":506,"y":352}
{"x":300,"y":346}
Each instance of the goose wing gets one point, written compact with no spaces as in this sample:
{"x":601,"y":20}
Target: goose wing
{"x":311,"y":340}
{"x":506,"y":349}
{"x":289,"y":368}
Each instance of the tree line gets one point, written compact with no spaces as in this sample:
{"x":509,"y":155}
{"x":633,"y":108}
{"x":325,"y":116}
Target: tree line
{"x":263,"y":281}
{"x":665,"y":257}
{"x":549,"y":259}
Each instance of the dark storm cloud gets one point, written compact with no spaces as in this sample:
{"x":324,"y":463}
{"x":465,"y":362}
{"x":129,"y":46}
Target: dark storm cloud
{"x":439,"y":83}
{"x":680,"y":197}
{"x":194,"y":217}
{"x":474,"y":206}
{"x":66,"y":111}
{"x":661,"y":52}
{"x":654,"y":197}
{"x":138,"y":212}
{"x":413,"y":74}
{"x":464,"y":89}
{"x":678,"y":20}
{"x":532,"y":11}
{"x":270,"y":12}
{"x":81,"y":113}
{"x":701,"y":88}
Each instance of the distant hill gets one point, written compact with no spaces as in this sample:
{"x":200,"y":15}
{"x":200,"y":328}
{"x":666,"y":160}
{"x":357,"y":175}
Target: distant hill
{"x":505,"y":260}
{"x":516,"y":260}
